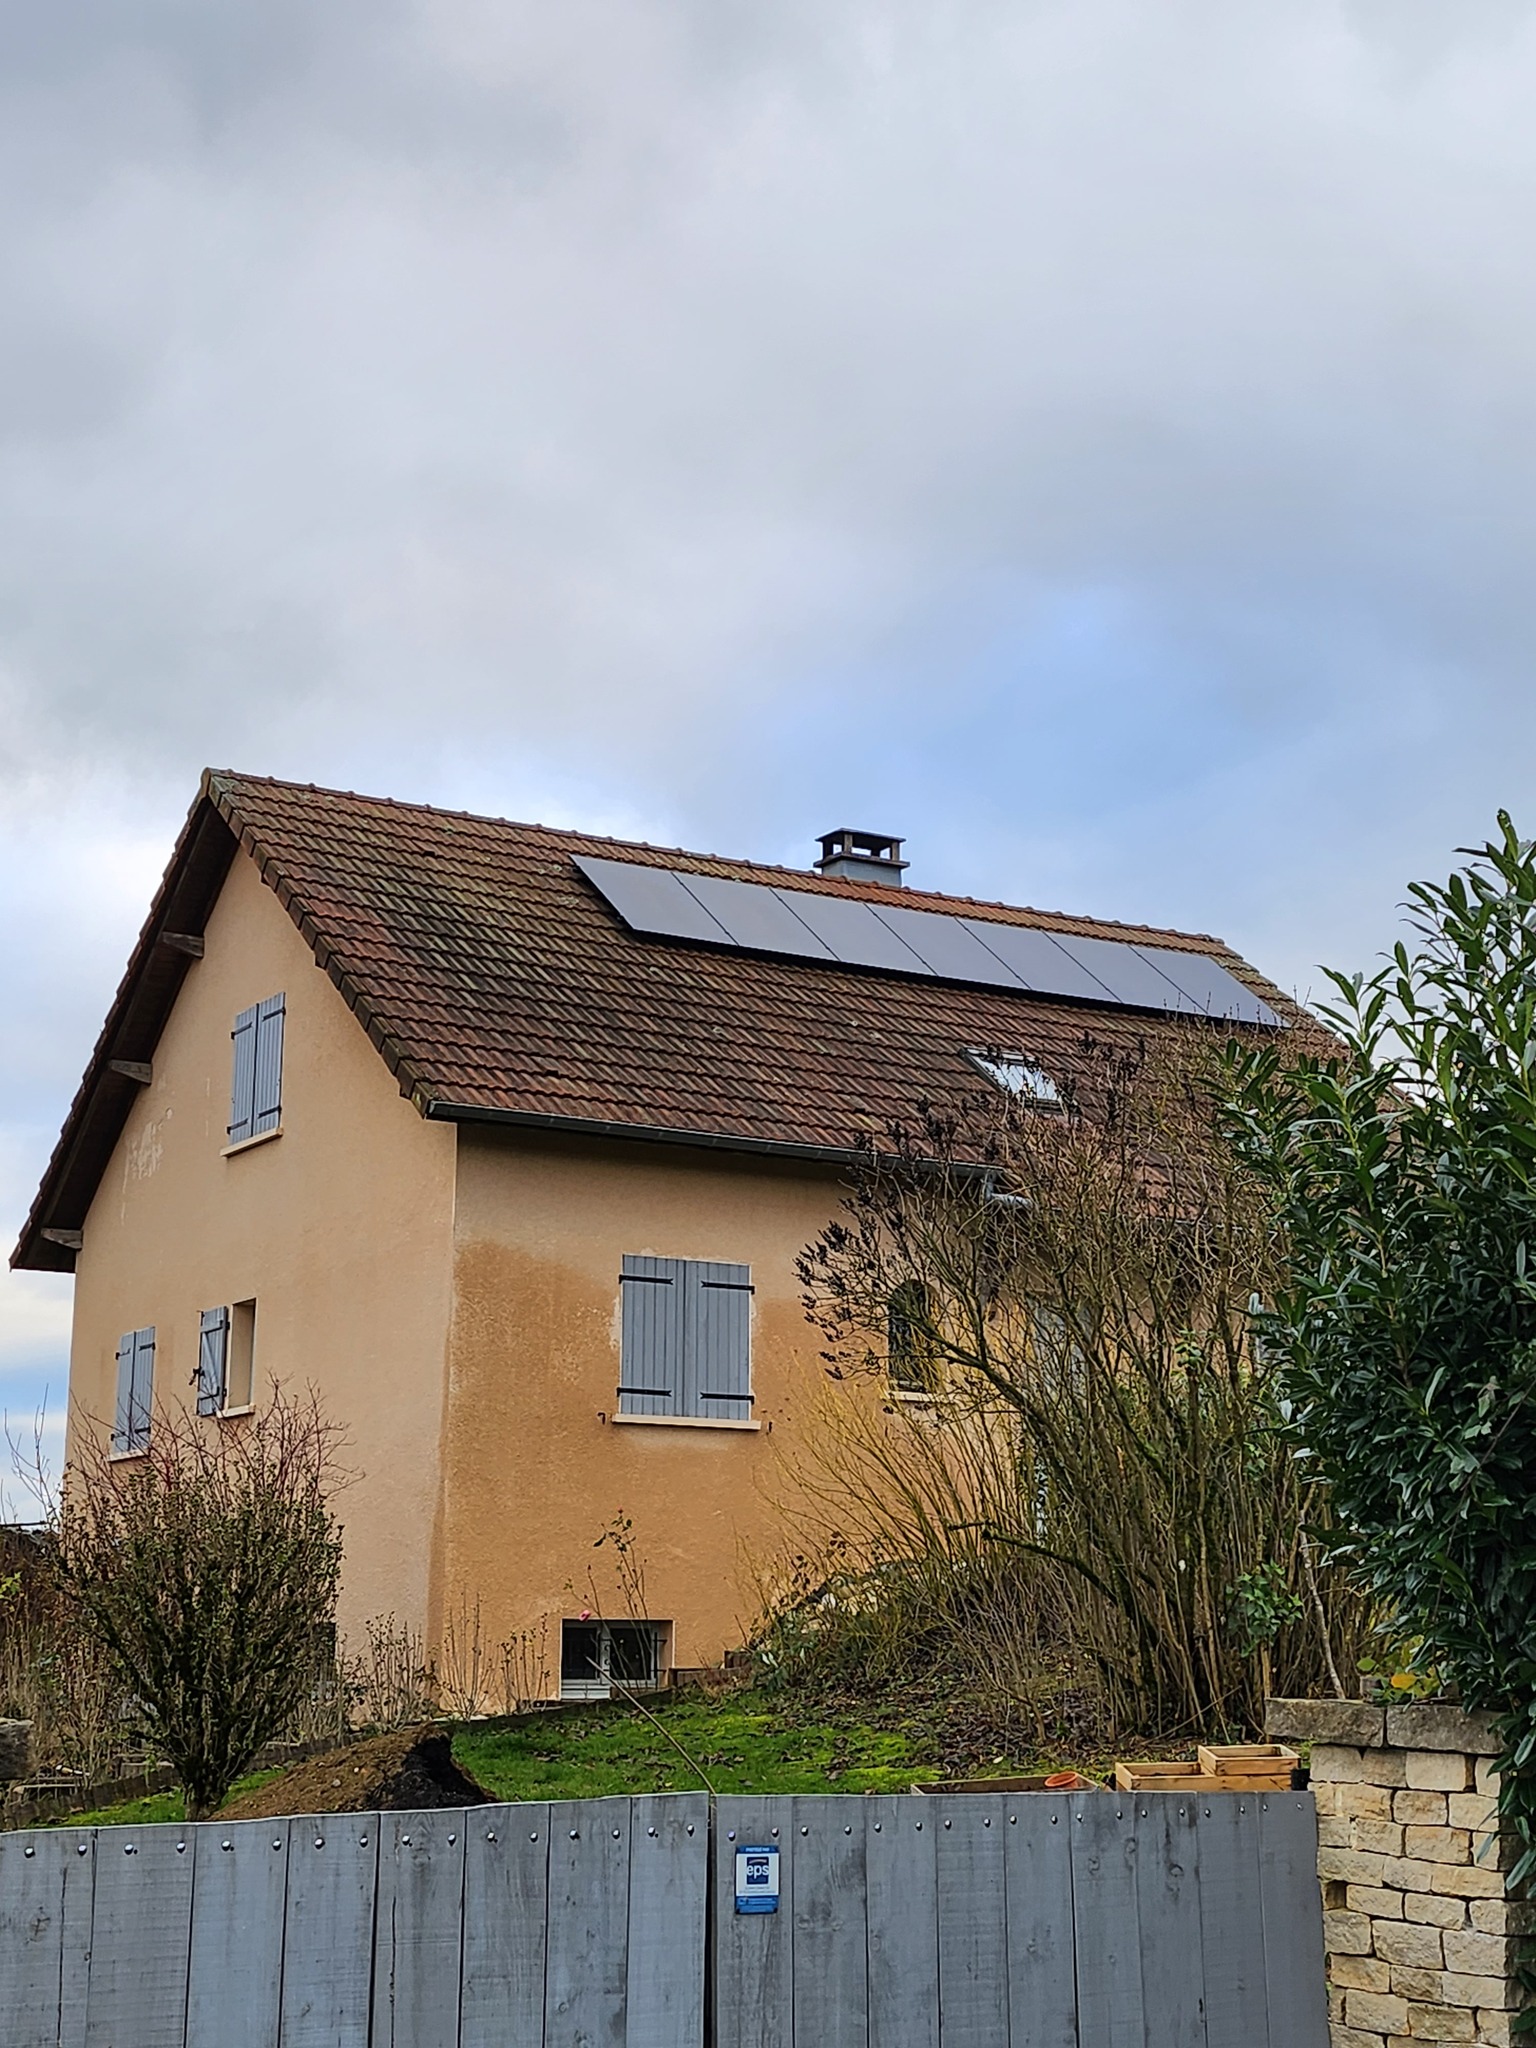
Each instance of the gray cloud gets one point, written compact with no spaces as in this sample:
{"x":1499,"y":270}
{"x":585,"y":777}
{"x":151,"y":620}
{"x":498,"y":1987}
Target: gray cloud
{"x":1096,"y":439}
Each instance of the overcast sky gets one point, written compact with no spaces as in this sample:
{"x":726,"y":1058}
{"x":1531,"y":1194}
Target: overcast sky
{"x":1091,"y":437}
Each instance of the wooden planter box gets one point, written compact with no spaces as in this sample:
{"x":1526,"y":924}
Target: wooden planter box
{"x":1161,"y":1777}
{"x":1250,"y":1766}
{"x":1234,"y":1767}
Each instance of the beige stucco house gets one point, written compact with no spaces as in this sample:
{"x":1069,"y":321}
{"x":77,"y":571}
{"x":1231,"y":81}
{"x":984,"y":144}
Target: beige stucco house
{"x":507,"y":1139}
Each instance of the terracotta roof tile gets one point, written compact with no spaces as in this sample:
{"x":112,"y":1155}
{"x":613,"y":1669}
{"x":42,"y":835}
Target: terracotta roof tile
{"x":496,"y":982}
{"x":496,"y":979}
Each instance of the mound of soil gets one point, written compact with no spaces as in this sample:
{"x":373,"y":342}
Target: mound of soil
{"x":403,"y":1772}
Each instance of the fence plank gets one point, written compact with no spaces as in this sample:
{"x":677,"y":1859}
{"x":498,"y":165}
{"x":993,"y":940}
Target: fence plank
{"x":586,"y":1963}
{"x":79,"y":1903}
{"x":668,"y":1894}
{"x":418,"y":1930}
{"x":1168,"y":1906}
{"x":1232,"y":1923}
{"x":1105,"y":1922}
{"x":141,"y":1939}
{"x":506,"y":1905}
{"x":34,"y":1878}
{"x":1293,"y":1920}
{"x":234,"y":1984}
{"x":830,"y":1937}
{"x":333,"y":1862}
{"x":1042,"y":1977}
{"x":901,"y":1876}
{"x":973,"y":1918}
{"x":754,"y":1952}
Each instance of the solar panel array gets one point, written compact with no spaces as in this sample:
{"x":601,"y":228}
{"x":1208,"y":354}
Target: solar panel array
{"x":757,"y":917}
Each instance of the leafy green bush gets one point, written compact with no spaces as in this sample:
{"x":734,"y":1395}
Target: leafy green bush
{"x":1404,"y":1168}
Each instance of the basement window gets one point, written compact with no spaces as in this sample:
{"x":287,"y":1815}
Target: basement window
{"x":598,"y":1656}
{"x":1017,"y":1076}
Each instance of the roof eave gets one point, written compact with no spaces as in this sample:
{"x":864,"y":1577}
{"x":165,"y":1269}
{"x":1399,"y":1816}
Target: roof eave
{"x":443,"y":1111}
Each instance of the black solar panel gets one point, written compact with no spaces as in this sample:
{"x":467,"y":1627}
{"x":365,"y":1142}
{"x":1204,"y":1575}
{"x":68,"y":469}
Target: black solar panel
{"x":807,"y":925}
{"x":653,"y":900}
{"x":1210,"y":988}
{"x":853,"y":931}
{"x":759,"y":919}
{"x":946,"y":947}
{"x":1125,"y":971}
{"x":1038,"y":961}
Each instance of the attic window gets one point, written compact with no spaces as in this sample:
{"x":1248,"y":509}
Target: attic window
{"x":1019,"y":1076}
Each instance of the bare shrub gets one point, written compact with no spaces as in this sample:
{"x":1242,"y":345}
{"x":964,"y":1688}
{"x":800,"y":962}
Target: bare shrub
{"x":1073,"y":1478}
{"x":389,"y":1682}
{"x":464,"y":1666}
{"x":523,"y":1667}
{"x":54,"y":1674}
{"x":208,"y":1570}
{"x":82,"y":1716}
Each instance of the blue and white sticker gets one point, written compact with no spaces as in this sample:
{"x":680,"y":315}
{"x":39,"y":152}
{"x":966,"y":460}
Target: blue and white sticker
{"x":757,"y":1880}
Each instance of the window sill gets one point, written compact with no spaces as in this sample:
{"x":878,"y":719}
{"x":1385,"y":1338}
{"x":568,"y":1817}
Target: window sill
{"x":233,"y":1414}
{"x":127,"y":1457}
{"x":683,"y":1422}
{"x":248,"y":1144}
{"x":915,"y":1403}
{"x":597,"y":1689}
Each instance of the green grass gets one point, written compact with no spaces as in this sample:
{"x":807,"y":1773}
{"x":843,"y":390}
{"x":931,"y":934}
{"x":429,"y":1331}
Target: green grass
{"x":742,"y":1743}
{"x":142,"y":1813}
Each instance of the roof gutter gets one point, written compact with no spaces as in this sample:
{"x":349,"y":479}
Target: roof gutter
{"x":440,"y":1111}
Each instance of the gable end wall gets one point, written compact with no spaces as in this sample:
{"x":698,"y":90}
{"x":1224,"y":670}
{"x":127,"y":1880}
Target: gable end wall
{"x":341,"y":1229}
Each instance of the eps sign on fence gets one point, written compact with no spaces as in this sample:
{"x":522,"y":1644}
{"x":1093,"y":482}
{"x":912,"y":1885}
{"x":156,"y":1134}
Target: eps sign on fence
{"x":757,"y":1880}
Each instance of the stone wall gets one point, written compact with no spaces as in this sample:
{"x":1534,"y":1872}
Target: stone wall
{"x":1418,"y":1932}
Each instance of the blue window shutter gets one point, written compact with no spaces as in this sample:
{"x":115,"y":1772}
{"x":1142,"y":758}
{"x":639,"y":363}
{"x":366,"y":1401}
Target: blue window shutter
{"x":212,"y":1360}
{"x":267,"y":1101}
{"x":141,"y":1396}
{"x":122,"y":1421}
{"x":242,"y":1100}
{"x":719,"y":1317}
{"x":651,"y":1321}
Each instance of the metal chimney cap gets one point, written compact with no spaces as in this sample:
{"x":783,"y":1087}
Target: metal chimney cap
{"x":861,"y":856}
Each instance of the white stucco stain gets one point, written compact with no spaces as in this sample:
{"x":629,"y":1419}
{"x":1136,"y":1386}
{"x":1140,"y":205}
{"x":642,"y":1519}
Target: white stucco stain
{"x":147,"y":1150}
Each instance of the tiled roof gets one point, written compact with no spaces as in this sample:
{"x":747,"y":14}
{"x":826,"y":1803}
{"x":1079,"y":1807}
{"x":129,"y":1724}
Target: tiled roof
{"x":496,"y":982}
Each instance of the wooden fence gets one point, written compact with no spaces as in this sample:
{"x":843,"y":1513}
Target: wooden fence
{"x":1041,"y":1921}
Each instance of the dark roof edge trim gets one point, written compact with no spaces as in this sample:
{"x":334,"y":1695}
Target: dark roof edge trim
{"x":646,"y":1134}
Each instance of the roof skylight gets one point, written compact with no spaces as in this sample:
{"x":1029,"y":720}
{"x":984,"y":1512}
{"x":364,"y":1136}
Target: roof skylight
{"x":1018,"y":1076}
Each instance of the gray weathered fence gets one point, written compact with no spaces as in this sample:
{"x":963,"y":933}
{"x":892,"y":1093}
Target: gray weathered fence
{"x":1042,"y":1921}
